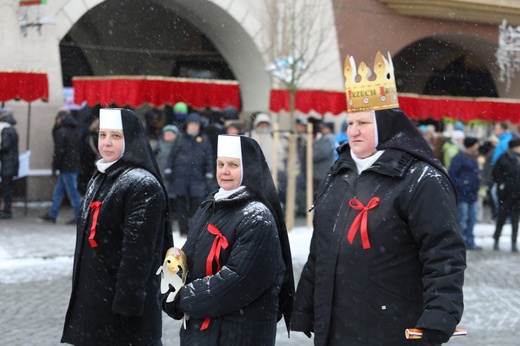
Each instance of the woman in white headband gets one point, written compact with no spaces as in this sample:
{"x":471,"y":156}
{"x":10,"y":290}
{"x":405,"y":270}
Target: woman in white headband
{"x":240,"y":277}
{"x":123,"y":232}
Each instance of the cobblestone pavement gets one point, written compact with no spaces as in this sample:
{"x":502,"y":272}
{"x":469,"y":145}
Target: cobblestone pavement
{"x":32,"y":312}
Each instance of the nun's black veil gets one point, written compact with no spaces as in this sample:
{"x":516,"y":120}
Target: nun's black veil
{"x":256,"y":176}
{"x":396,"y":130}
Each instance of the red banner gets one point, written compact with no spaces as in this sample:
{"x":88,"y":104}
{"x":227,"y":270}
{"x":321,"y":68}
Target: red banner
{"x":32,"y":2}
{"x":27,"y":86}
{"x":320,"y":101}
{"x":422,"y":107}
{"x":417,"y":107}
{"x":136,"y":91}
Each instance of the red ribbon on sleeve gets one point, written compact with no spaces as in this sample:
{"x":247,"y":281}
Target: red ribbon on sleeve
{"x":94,"y":208}
{"x":361,"y":219}
{"x":219,"y":243}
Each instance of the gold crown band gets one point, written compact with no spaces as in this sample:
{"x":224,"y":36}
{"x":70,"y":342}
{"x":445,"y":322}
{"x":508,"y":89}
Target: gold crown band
{"x":366,"y":92}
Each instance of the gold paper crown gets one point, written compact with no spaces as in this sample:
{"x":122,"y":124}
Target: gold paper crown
{"x":366,"y":92}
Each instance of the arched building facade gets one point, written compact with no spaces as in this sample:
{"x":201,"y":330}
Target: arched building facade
{"x":235,"y":39}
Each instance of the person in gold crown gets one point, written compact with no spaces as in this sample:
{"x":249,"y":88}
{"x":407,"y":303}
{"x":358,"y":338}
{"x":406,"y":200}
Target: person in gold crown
{"x":387,"y":252}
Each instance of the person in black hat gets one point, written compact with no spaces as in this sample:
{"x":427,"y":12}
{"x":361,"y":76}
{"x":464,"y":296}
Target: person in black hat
{"x":465,"y":173}
{"x":240,"y":277}
{"x":192,"y":167}
{"x":506,"y":175}
{"x":123,"y":232}
{"x":387,"y":252}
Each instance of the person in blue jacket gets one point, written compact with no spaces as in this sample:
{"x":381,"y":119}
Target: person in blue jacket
{"x":465,"y":174}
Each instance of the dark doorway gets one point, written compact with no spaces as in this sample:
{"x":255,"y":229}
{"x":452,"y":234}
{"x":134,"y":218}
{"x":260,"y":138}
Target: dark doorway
{"x":127,"y":37}
{"x":435,"y":67}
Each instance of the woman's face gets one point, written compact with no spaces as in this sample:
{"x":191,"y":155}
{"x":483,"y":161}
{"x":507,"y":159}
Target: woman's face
{"x":111,"y":144}
{"x":229,"y":173}
{"x":361,"y":133}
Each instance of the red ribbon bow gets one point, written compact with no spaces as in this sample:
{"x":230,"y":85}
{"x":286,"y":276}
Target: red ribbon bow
{"x":361,"y":219}
{"x":94,"y":208}
{"x":219,"y":243}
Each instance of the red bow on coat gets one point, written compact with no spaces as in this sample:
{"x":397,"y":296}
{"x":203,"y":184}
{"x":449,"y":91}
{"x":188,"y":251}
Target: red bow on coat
{"x":219,"y":243}
{"x":361,"y":219}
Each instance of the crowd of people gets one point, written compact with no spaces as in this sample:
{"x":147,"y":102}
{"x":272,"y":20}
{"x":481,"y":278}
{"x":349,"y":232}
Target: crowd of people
{"x":485,"y":174}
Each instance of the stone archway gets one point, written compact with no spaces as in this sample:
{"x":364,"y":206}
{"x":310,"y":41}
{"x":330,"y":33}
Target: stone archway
{"x":230,"y":30}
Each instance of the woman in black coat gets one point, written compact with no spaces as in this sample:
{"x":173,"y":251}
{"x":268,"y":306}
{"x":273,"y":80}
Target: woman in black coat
{"x":122,"y":234}
{"x":386,"y":252}
{"x":239,"y":277}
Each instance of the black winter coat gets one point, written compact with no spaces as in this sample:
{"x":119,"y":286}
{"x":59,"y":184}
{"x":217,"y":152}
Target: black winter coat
{"x":242,"y":297}
{"x":506,"y":173}
{"x":9,"y":149}
{"x":190,"y":160}
{"x":67,"y":145}
{"x":412,"y":274}
{"x":115,"y":289}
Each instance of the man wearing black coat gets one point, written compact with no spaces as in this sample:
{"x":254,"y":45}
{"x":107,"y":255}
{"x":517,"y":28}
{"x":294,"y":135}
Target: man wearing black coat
{"x":66,"y":161}
{"x":8,"y":159}
{"x":192,"y":165}
{"x":506,"y":174}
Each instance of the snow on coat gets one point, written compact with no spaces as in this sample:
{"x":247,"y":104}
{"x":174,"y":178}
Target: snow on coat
{"x":412,"y":274}
{"x":115,"y":289}
{"x":242,"y":297}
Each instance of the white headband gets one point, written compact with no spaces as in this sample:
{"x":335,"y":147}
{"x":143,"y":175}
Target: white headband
{"x":229,"y":146}
{"x":110,"y":119}
{"x":376,"y":136}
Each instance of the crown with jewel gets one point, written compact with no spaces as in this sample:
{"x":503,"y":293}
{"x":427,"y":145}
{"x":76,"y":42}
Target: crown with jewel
{"x":366,"y":92}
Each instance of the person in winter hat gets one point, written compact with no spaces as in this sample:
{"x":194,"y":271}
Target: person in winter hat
{"x":180,"y":111}
{"x":123,"y":232}
{"x":9,"y":162}
{"x":192,"y":170}
{"x":262,"y":132}
{"x":451,"y":147}
{"x":240,"y":277}
{"x":465,"y":173}
{"x":387,"y":252}
{"x":162,"y":151}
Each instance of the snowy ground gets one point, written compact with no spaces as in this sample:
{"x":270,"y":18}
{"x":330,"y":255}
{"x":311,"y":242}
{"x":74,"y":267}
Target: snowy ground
{"x":43,"y":255}
{"x":36,"y":264}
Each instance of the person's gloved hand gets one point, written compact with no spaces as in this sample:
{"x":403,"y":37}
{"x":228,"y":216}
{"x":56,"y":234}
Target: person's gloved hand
{"x":434,"y":337}
{"x":172,"y":309}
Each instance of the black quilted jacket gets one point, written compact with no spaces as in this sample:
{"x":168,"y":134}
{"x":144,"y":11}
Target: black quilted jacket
{"x":242,"y":297}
